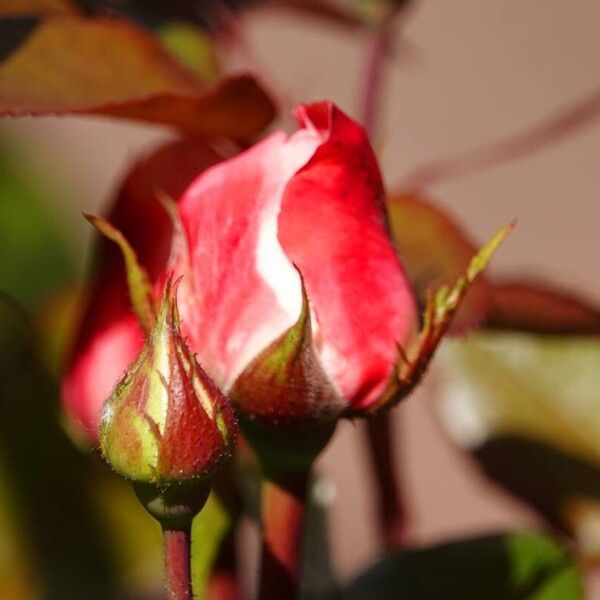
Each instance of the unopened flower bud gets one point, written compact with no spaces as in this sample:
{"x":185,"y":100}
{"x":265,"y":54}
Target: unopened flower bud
{"x":166,"y":421}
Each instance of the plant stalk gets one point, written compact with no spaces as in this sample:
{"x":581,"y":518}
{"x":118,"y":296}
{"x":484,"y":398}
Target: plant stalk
{"x":283,"y":508}
{"x":178,"y":576}
{"x":391,"y":514}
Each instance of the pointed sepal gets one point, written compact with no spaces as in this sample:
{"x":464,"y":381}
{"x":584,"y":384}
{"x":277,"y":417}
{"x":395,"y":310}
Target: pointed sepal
{"x":140,"y":288}
{"x":439,"y":312}
{"x":286,"y":384}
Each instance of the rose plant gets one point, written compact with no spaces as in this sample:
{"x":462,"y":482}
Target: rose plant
{"x":258,"y":274}
{"x":274,"y":249}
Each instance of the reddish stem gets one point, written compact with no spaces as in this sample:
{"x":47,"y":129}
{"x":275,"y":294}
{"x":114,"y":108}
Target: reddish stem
{"x":566,"y":121}
{"x":177,"y":544}
{"x":374,"y":76}
{"x":391,"y":514}
{"x":283,"y":507}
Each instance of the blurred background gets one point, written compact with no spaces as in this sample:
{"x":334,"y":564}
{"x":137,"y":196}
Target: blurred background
{"x":462,"y":74}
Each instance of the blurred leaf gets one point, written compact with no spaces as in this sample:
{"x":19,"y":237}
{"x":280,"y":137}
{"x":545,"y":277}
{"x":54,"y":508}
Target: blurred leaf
{"x":208,"y":532}
{"x":46,"y":477}
{"x":435,"y":252}
{"x":133,"y":536}
{"x":509,"y":566}
{"x":35,"y":254}
{"x":528,"y":408}
{"x":37,"y":7}
{"x":153,"y":13}
{"x":55,"y":323}
{"x":193,"y":48}
{"x":537,"y":307}
{"x":16,"y":581}
{"x":109,"y":67}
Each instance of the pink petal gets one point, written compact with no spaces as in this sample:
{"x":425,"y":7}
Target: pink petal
{"x":244,"y":291}
{"x":332,"y":226}
{"x":96,"y":370}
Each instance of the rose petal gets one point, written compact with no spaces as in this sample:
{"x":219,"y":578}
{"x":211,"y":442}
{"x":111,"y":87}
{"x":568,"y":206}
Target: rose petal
{"x":99,"y":365}
{"x":332,"y":226}
{"x":244,"y":291}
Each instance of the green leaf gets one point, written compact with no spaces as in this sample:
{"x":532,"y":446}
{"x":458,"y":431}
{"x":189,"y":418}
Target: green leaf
{"x":193,"y":48}
{"x":528,"y":408}
{"x":46,"y":478}
{"x":36,"y":256}
{"x":509,"y":566}
{"x":73,"y":65}
{"x":209,"y":530}
{"x":140,"y":288}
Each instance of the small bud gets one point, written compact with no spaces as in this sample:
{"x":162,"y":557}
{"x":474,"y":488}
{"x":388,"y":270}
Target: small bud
{"x":166,"y":421}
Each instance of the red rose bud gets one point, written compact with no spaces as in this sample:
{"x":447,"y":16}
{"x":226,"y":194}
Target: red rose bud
{"x":166,"y":421}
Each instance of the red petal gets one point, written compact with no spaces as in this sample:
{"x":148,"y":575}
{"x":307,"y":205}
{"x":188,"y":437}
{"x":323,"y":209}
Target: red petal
{"x":333,"y":228}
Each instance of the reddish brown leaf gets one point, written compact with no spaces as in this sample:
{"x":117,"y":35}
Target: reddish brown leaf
{"x":436,"y":252}
{"x":70,"y":65}
{"x":535,"y":307}
{"x":37,"y":7}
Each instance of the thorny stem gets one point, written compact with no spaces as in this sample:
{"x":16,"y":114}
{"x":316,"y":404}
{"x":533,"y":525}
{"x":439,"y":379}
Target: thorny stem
{"x":283,"y":509}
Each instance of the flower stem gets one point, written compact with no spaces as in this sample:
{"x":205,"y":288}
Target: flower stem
{"x":374,"y":76}
{"x":391,"y":513}
{"x":283,"y":508}
{"x":174,"y":506}
{"x":177,"y":543}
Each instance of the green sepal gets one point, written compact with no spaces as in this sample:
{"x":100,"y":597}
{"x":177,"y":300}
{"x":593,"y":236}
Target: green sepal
{"x":439,"y":312}
{"x":140,"y":288}
{"x":285,"y":384}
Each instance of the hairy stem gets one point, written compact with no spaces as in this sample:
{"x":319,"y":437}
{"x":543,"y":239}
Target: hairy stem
{"x":283,"y":509}
{"x":177,"y":543}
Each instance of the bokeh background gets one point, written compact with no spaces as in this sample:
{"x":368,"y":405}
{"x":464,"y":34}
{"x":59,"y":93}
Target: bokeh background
{"x":463,"y":74}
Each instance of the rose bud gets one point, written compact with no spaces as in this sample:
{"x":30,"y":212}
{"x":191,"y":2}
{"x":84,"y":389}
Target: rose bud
{"x":304,"y":211}
{"x":293,"y":213}
{"x":166,"y":421}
